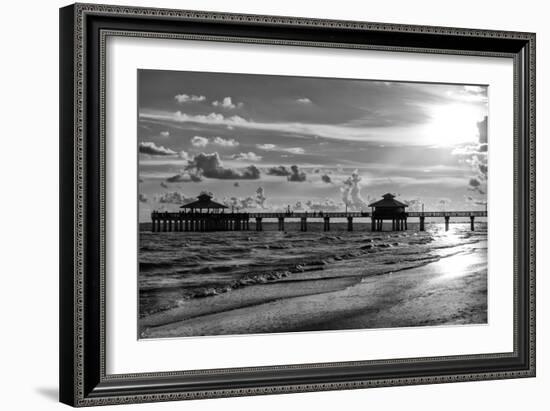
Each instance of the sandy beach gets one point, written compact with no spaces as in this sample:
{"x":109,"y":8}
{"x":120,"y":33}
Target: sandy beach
{"x":449,"y":286}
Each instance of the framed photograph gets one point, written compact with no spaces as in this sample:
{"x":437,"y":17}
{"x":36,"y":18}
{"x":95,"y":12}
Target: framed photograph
{"x":261,"y":204}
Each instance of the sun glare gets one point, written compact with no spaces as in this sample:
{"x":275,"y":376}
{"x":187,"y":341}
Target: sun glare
{"x":453,"y":124}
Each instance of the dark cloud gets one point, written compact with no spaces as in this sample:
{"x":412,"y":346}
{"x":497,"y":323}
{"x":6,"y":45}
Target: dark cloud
{"x":210,"y":166}
{"x":279,"y":171}
{"x":163,"y":184}
{"x":142,"y":198}
{"x":153,"y":150}
{"x":475,"y":185}
{"x":483,"y":168}
{"x":236,"y":184}
{"x":296,"y":175}
{"x":326,"y":178}
{"x":482,"y":131}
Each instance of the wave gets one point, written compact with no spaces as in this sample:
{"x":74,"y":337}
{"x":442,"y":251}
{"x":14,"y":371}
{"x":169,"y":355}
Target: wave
{"x":202,"y":266}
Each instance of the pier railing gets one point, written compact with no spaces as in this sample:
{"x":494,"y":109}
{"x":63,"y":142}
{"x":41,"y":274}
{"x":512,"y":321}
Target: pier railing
{"x":231,"y":221}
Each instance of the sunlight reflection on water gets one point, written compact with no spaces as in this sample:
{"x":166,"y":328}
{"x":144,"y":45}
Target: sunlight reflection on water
{"x":456,"y":266}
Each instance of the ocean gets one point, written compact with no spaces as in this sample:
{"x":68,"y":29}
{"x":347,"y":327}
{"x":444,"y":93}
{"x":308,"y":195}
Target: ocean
{"x":237,"y":282}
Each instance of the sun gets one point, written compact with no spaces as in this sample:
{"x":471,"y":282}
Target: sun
{"x":453,"y":124}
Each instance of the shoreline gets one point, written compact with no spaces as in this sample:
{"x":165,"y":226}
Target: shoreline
{"x":379,"y":253}
{"x":344,"y":302}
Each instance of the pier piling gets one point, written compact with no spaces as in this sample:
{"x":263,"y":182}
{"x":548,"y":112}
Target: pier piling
{"x":447,"y":218}
{"x":326,"y":226}
{"x":303,"y":224}
{"x":472,"y":218}
{"x":350,"y":223}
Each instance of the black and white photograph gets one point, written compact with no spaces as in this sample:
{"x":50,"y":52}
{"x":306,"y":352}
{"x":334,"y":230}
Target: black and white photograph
{"x":277,"y":204}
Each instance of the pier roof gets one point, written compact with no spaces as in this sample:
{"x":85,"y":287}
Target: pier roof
{"x":204,"y":202}
{"x":388,"y":201}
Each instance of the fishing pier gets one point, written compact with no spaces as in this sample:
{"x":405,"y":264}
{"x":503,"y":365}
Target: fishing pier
{"x":206,"y":215}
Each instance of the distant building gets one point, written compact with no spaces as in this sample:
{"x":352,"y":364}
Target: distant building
{"x":389,"y":209}
{"x":204,"y":202}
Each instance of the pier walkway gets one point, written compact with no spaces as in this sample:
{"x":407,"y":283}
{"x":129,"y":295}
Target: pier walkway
{"x":231,"y":221}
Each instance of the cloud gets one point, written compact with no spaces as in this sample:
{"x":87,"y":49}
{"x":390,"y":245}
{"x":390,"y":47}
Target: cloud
{"x":414,"y":204}
{"x":258,"y":200}
{"x":326,"y":178}
{"x":210,"y":119}
{"x":250,"y":156}
{"x":327,"y":205}
{"x":236,"y":184}
{"x":299,"y":206}
{"x":482,"y":130}
{"x":351,"y":192}
{"x":163,"y":184}
{"x":210,"y":166}
{"x":293,"y":150}
{"x":142,"y":198}
{"x":274,"y":147}
{"x":165,"y":134}
{"x":475,"y":185}
{"x":469,"y":94}
{"x":184,"y":178}
{"x":199,"y":141}
{"x":227,"y":103}
{"x":183,"y":155}
{"x":260,"y":197}
{"x":296,"y":175}
{"x":475,"y":155}
{"x":278,"y":171}
{"x":476,"y":201}
{"x":186,"y":98}
{"x":152,"y":149}
{"x":174,"y":197}
{"x":303,"y":100}
{"x":363,"y":130}
{"x":225,"y":142}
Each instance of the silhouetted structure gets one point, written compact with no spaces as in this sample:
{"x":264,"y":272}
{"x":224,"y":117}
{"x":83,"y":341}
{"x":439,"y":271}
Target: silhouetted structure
{"x":204,"y":202}
{"x":207,"y":215}
{"x":388,"y":209}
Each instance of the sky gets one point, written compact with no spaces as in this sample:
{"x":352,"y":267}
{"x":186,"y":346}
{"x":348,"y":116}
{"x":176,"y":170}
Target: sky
{"x":261,"y":142}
